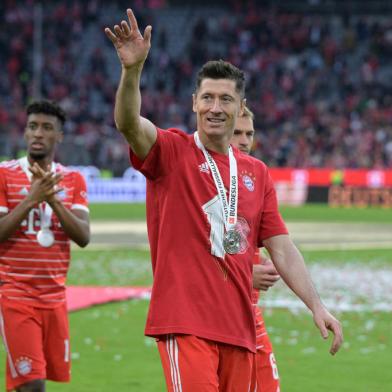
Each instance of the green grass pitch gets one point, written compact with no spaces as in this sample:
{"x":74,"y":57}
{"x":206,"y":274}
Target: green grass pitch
{"x":110,"y":352}
{"x":309,"y":212}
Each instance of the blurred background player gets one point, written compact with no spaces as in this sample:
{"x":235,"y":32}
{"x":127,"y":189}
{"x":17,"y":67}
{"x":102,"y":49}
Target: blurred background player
{"x":43,"y":206}
{"x":265,"y":376}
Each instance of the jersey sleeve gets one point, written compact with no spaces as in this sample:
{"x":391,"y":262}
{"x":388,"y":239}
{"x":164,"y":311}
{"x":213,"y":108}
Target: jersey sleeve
{"x":163,"y":156}
{"x":80,"y":200}
{"x":3,"y":192}
{"x":272,"y":223}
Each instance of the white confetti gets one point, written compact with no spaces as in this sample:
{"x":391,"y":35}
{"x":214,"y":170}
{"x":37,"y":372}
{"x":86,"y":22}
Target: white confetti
{"x":343,"y":287}
{"x":149,"y":342}
{"x":309,"y":350}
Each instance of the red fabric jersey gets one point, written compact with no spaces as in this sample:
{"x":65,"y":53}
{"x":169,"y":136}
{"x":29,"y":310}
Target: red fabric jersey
{"x":198,"y":290}
{"x":30,"y":273}
{"x":261,"y":332}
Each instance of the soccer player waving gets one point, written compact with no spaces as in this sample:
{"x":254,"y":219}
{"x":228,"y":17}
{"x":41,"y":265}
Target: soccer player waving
{"x":209,"y":207}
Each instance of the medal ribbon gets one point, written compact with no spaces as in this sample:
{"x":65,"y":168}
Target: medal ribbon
{"x":45,"y":210}
{"x":229,"y":208}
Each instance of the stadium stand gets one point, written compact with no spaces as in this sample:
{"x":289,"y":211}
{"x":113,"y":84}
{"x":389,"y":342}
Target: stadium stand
{"x":319,"y":78}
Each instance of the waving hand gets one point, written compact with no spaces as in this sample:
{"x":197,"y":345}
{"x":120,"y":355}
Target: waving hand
{"x":132,"y":47}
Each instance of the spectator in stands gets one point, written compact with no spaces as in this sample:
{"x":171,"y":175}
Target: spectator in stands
{"x":320,"y":86}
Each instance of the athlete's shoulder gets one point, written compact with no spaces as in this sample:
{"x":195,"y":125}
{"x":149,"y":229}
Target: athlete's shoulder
{"x":175,"y":133}
{"x":10,"y":165}
{"x":71,"y":176}
{"x":66,"y":170}
{"x":10,"y":168}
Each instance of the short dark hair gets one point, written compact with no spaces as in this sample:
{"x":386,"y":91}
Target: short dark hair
{"x":47,"y":107}
{"x":220,"y":69}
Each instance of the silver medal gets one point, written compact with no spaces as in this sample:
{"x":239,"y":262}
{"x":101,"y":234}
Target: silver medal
{"x":45,"y":238}
{"x":232,"y":241}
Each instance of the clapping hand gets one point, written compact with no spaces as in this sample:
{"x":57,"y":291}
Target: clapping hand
{"x":44,"y":184}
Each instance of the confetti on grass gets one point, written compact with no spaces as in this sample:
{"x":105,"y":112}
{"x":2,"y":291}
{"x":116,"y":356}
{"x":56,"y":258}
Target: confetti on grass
{"x":344,"y":287}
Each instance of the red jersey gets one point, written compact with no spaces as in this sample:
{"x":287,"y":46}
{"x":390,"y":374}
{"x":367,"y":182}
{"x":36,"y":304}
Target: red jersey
{"x":30,"y":273}
{"x":197,"y":290}
{"x":261,"y":332}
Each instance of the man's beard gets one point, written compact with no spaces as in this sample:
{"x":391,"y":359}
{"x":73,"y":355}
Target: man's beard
{"x":37,"y":156}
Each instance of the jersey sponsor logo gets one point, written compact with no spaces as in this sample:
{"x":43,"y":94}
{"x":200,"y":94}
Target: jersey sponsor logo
{"x":24,"y":365}
{"x":204,"y":168}
{"x":24,"y":191}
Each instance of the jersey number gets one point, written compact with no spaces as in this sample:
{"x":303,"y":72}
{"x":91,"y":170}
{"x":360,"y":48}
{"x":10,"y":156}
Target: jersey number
{"x":274,"y":367}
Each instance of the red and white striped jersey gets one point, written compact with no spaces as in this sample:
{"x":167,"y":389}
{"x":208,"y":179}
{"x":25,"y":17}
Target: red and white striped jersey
{"x":30,"y":273}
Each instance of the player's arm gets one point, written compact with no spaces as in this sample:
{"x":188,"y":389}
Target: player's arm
{"x":291,"y":267}
{"x":132,"y":49}
{"x":265,"y":274}
{"x":40,"y":189}
{"x":75,"y":223}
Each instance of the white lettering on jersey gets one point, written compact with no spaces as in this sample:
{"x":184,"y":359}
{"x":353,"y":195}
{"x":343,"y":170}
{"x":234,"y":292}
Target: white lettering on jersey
{"x":33,"y":221}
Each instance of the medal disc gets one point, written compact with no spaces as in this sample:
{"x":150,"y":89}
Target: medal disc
{"x":45,"y":238}
{"x":232,"y":242}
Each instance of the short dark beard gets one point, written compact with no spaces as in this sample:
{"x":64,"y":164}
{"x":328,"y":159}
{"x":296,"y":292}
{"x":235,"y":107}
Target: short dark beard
{"x":37,"y":156}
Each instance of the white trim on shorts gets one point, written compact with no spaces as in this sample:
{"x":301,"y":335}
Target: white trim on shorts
{"x":172,"y":352}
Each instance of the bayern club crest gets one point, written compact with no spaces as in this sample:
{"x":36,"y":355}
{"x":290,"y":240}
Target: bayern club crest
{"x":248,"y":182}
{"x":23,"y":365}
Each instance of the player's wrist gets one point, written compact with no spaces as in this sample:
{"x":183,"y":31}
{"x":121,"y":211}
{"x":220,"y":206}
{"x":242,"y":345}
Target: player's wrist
{"x":53,"y":201}
{"x":30,"y":202}
{"x":317,"y":308}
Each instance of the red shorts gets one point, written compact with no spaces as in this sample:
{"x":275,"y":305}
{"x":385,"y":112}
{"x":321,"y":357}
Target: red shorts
{"x":36,"y":343}
{"x":199,"y":365}
{"x":265,"y":377}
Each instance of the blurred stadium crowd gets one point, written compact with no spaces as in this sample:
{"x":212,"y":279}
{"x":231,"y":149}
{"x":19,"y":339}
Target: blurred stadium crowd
{"x":320,"y":85}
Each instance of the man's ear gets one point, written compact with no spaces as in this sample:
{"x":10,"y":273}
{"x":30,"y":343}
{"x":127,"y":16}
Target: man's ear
{"x":194,"y":102}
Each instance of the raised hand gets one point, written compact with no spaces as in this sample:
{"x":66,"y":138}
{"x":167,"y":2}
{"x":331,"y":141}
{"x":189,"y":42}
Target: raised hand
{"x":132,"y":48}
